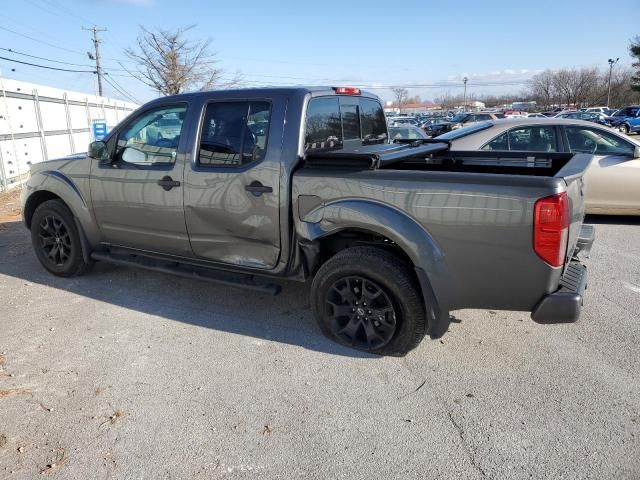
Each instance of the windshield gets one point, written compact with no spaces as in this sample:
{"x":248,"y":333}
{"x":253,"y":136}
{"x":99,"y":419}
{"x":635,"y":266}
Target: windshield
{"x":463,"y":132}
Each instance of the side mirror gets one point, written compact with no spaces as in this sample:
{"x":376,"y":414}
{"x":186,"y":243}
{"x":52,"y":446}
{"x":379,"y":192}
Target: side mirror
{"x":99,"y":151}
{"x":133,"y":155}
{"x":636,"y":152}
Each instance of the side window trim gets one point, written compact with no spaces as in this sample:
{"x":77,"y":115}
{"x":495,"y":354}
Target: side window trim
{"x":195,"y":163}
{"x":156,"y":165}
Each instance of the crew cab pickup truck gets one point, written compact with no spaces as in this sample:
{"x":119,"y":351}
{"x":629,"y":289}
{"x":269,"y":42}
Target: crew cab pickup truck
{"x":249,"y":187}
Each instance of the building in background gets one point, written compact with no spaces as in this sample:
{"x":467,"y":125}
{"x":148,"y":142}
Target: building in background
{"x":39,"y":123}
{"x":524,"y":106}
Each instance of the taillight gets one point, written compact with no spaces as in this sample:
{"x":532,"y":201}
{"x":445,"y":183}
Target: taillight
{"x":347,"y":90}
{"x":551,"y":228}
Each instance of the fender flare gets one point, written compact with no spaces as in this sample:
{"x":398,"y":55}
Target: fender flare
{"x":62,"y":186}
{"x":415,"y":241}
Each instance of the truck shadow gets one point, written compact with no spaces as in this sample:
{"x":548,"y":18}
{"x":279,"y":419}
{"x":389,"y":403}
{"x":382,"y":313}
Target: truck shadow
{"x":612,"y":220}
{"x":285,"y":318}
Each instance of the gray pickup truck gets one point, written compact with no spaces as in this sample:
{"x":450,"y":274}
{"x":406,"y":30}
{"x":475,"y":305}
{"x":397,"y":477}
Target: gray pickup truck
{"x":248,"y":187}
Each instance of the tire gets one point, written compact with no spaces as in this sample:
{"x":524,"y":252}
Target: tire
{"x":347,"y":280}
{"x":56,"y":240}
{"x":624,"y":129}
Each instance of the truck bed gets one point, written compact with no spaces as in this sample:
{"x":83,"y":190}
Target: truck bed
{"x":477,"y":207}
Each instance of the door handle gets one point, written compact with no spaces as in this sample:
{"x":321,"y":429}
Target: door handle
{"x":168,"y":183}
{"x":257,"y":189}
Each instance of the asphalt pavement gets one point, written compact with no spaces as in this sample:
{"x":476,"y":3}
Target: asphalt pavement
{"x":130,"y":374}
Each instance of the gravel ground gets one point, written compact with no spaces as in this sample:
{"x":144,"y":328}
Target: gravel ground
{"x":130,"y":374}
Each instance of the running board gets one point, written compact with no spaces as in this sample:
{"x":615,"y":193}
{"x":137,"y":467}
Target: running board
{"x":230,"y":279}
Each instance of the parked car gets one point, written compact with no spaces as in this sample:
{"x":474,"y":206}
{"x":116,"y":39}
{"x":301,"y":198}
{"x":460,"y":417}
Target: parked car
{"x":392,"y":244}
{"x":402,"y":121}
{"x":630,"y":123}
{"x":458,"y":121}
{"x":536,"y":115}
{"x":611,"y":181}
{"x":603,"y":110}
{"x":406,"y":132}
{"x":620,"y":115}
{"x":595,"y":117}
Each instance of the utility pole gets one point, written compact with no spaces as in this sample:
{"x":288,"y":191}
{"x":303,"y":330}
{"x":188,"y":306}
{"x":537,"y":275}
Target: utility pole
{"x":612,"y":62}
{"x":464,"y":101}
{"x":96,"y":56}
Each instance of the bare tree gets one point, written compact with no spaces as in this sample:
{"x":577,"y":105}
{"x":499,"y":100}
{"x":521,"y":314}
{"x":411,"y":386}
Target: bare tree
{"x":401,"y":94}
{"x":542,"y":88}
{"x":171,"y":64}
{"x":634,"y":51}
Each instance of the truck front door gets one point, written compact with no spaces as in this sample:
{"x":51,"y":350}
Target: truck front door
{"x":232,"y":184}
{"x":137,"y":196}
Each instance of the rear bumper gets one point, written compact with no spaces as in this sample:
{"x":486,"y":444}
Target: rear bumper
{"x":564,"y":305}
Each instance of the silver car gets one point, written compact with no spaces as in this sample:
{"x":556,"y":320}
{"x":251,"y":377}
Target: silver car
{"x":613,"y":177}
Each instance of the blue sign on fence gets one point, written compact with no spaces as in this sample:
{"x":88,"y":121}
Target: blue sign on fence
{"x":99,"y":129}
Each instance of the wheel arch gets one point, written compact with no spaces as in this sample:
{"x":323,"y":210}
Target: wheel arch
{"x":388,"y":227}
{"x":34,"y":200}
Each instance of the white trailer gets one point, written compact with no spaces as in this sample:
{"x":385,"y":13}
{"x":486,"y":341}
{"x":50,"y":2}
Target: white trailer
{"x":39,"y":123}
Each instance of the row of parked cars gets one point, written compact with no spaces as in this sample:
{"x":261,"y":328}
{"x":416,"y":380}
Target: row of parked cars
{"x":626,"y":119}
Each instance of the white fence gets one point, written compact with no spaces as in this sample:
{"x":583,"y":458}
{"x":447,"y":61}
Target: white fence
{"x":39,"y":123}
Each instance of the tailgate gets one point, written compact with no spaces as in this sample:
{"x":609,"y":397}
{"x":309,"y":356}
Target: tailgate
{"x":573,"y":175}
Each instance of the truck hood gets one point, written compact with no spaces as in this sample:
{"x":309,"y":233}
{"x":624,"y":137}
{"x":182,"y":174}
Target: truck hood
{"x":57,"y":163}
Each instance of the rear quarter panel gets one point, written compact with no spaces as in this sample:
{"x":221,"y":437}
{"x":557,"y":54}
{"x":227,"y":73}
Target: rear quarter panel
{"x":481,"y":224}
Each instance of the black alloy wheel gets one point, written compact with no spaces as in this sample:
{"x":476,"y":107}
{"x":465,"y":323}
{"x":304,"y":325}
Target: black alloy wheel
{"x":55,"y":240}
{"x":361,"y":313}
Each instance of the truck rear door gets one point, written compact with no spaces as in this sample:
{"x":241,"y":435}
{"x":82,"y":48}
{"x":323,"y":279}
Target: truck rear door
{"x":232,"y":183}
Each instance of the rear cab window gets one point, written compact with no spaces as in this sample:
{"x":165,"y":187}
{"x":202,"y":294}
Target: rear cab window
{"x":336,"y":122}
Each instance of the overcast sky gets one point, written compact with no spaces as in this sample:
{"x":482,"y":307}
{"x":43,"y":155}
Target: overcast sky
{"x":497,"y":44}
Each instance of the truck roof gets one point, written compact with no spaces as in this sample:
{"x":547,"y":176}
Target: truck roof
{"x":261,"y":91}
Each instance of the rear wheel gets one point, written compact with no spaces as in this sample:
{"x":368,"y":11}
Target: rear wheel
{"x":368,"y":298}
{"x":56,"y":240}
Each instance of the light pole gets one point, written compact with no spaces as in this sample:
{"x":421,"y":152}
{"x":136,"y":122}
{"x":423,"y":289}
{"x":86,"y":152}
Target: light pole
{"x":464,"y":98}
{"x":612,"y":62}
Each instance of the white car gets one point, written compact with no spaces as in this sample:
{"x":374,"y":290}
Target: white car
{"x":603,"y":110}
{"x":612,"y":182}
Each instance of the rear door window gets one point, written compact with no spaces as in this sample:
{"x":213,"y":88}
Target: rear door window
{"x":234,"y":134}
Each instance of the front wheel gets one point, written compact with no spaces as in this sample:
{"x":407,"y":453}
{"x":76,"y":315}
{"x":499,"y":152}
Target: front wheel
{"x":56,"y":240}
{"x":368,"y":298}
{"x":624,"y":129}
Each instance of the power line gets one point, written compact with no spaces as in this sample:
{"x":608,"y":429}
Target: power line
{"x":46,"y":66}
{"x":41,"y":41}
{"x":119,"y":87}
{"x":10,"y":50}
{"x":56,"y":5}
{"x":265,"y":83}
{"x":77,"y":52}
